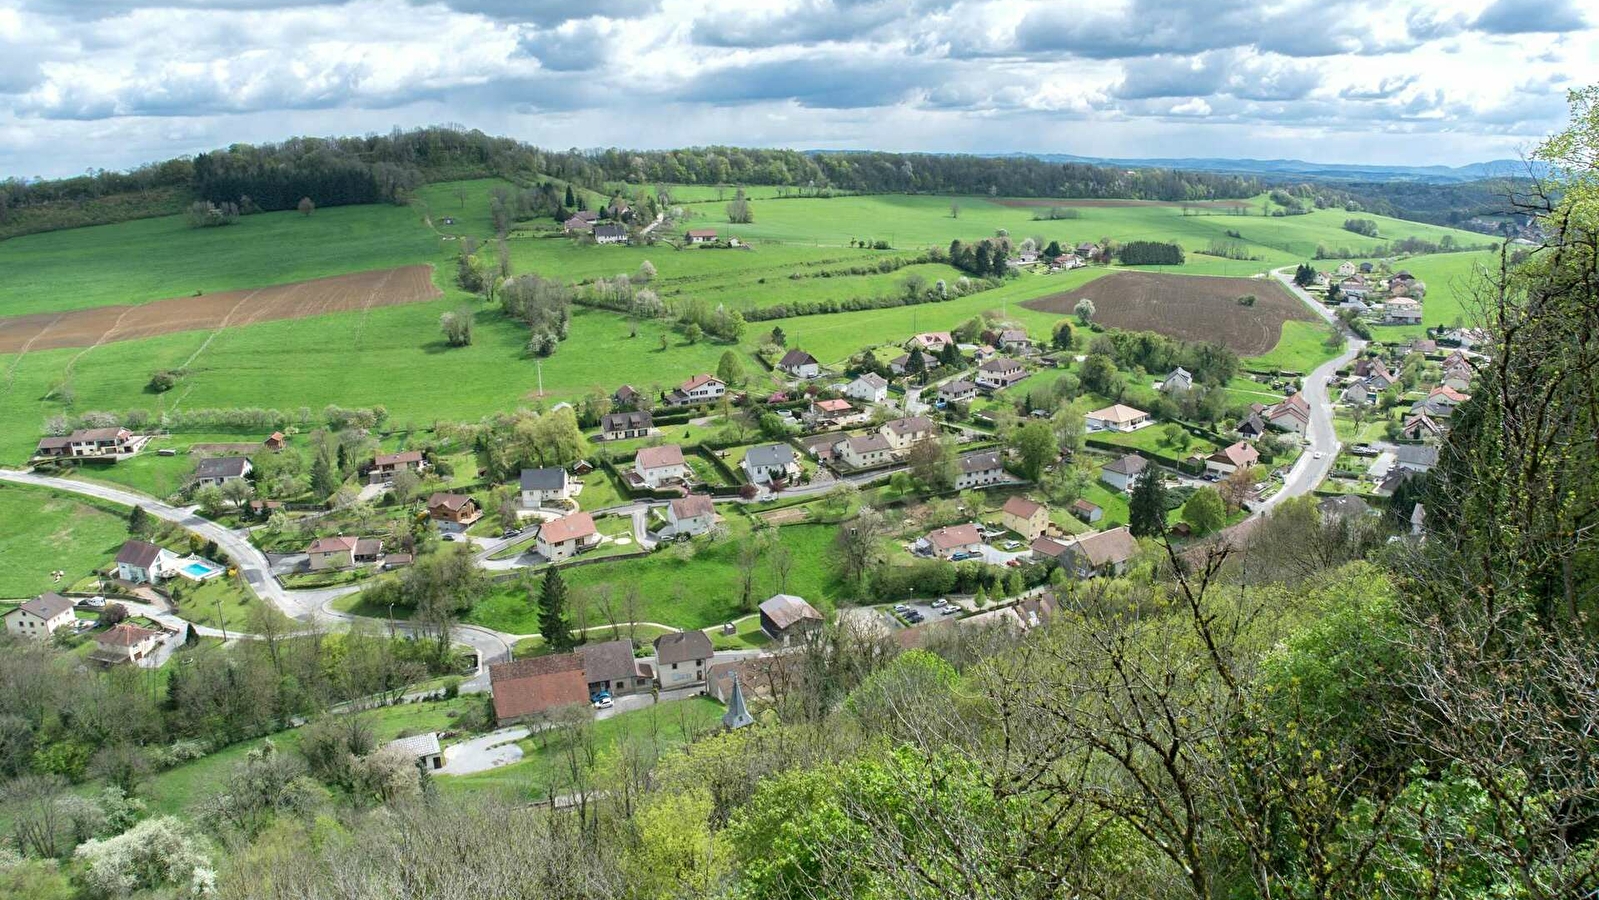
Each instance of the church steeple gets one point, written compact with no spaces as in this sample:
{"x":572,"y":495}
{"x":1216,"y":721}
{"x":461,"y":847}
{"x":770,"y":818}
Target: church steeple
{"x":737,"y":715}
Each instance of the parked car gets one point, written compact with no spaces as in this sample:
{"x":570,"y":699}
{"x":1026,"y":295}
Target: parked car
{"x":602,"y":700}
{"x":940,"y":602}
{"x":949,"y":611}
{"x":449,"y":537}
{"x":901,"y":608}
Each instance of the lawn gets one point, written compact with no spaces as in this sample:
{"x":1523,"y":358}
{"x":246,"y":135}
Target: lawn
{"x":1303,"y":347}
{"x":222,"y":603}
{"x":157,"y":475}
{"x":46,"y":531}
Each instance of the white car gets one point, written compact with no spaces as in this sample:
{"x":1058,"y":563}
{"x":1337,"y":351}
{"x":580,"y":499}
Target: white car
{"x":1319,"y":454}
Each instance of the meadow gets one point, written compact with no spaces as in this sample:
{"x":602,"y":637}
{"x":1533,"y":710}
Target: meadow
{"x":45,"y":531}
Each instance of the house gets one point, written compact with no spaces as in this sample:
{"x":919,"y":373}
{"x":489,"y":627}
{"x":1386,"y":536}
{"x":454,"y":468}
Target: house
{"x":999,"y":373}
{"x":1035,"y":611}
{"x":626,"y":397}
{"x":902,"y":434}
{"x":700,"y":235}
{"x":538,"y":684}
{"x":422,"y":749}
{"x":1378,"y":375}
{"x":1391,"y":482}
{"x":1087,"y":250}
{"x":1048,"y":548}
{"x":219,"y":470}
{"x":770,"y":462}
{"x":91,"y":443}
{"x":578,"y":225}
{"x":275,"y":441}
{"x":954,"y":540}
{"x":835,"y":411}
{"x":1401,"y":311}
{"x":1420,"y":427}
{"x":655,"y":466}
{"x":799,"y":364}
{"x":681,"y":659}
{"x":567,"y":536}
{"x":53,"y":447}
{"x":899,"y":365}
{"x":1122,"y":473}
{"x":124,"y":643}
{"x":930,"y":341}
{"x":958,"y":391}
{"x":1354,"y":286}
{"x":1117,"y":418}
{"x":141,"y":562}
{"x":1345,"y":269}
{"x":620,"y":426}
{"x":610,"y":234}
{"x":979,"y":469}
{"x":1415,"y":457}
{"x":1087,"y":511}
{"x":785,"y":616}
{"x":1292,"y":414}
{"x":1251,"y":426}
{"x":1178,"y":381}
{"x":1458,"y":375}
{"x":1367,"y":268}
{"x":1015,"y":340}
{"x":1345,"y":506}
{"x":699,"y":389}
{"x":869,"y":387}
{"x":1101,"y":553}
{"x":331,"y":553}
{"x":387,"y":464}
{"x":610,"y":667}
{"x":1240,"y":455}
{"x":1355,"y":305}
{"x":1025,"y":517}
{"x":862,"y":450}
{"x":694,"y":514}
{"x":453,"y":512}
{"x":1440,"y":402}
{"x":541,"y":487}
{"x":40,"y":617}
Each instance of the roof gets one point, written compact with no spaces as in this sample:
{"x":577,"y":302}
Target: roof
{"x":538,"y":683}
{"x":1416,"y":454}
{"x":787,"y":610}
{"x":1448,"y":393}
{"x":980,"y":462}
{"x":867,"y":443}
{"x":832,"y":406}
{"x":609,"y":661}
{"x":1013,"y":335}
{"x":702,"y":232}
{"x":125,"y":635}
{"x":221,"y":467}
{"x":609,"y":231}
{"x":769,"y":456}
{"x":956,"y":387}
{"x":100,"y":434}
{"x":451,"y":502}
{"x":909,"y":425}
{"x":626,"y":421}
{"x":1252,"y":423}
{"x":1118,"y":414}
{"x":395,"y":459}
{"x":873,"y":380}
{"x":141,"y":554}
{"x":954,"y":536}
{"x":1000,"y":364}
{"x":1128,"y":465}
{"x":658,"y":457}
{"x":551,"y":479}
{"x":1345,"y":506}
{"x":1240,"y":454}
{"x":933,"y":337}
{"x":368,"y":546}
{"x":796,"y":357}
{"x":1021,"y":506}
{"x":1047,"y":546}
{"x":275,"y":436}
{"x":339,"y":544}
{"x":698,"y":381}
{"x":693,"y":506}
{"x":46,"y":606}
{"x":1081,"y":505}
{"x":1106,"y":547}
{"x":566,"y":528}
{"x":54,"y":443}
{"x":417,"y":745}
{"x":625,"y":392}
{"x":682,"y":646}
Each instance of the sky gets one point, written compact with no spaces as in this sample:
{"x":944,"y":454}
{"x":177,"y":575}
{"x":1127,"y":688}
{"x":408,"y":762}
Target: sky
{"x":116,"y":83}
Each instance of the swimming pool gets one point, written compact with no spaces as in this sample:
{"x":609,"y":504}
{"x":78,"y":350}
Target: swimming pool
{"x":198,"y":569}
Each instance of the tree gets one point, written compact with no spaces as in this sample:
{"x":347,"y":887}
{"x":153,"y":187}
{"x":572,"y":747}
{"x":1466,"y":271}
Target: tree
{"x":210,"y":500}
{"x":915,"y":366}
{"x":1146,"y":509}
{"x":571,"y":201}
{"x":140,"y":522}
{"x":1204,"y":511}
{"x":692,"y":332}
{"x":729,"y":369}
{"x":1061,"y":336}
{"x":739,"y":211}
{"x":457,"y":327}
{"x":748,"y":559}
{"x":934,"y":463}
{"x":857,"y":543}
{"x":306,"y":207}
{"x":1084,"y":310}
{"x":1035,"y":444}
{"x":238,"y":492}
{"x":1237,"y":486}
{"x":552,"y":612}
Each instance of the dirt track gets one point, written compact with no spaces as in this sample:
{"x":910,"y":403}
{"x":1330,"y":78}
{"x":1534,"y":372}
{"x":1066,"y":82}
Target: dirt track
{"x":1191,"y":307}
{"x":339,"y":293}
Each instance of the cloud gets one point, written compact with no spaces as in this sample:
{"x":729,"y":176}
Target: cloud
{"x":836,"y":82}
{"x":810,"y":22}
{"x":1169,"y":76}
{"x":1194,"y":107}
{"x":1530,"y":17}
{"x":1154,"y":27}
{"x":103,"y":9}
{"x":548,"y":12}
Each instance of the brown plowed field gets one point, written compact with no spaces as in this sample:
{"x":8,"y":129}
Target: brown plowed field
{"x":1089,"y":202}
{"x":340,"y":293}
{"x":1191,"y":307}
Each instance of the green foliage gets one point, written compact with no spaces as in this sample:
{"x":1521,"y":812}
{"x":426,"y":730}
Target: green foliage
{"x":1205,"y":511}
{"x":1146,"y":509}
{"x":1036,"y":446}
{"x":557,"y":633}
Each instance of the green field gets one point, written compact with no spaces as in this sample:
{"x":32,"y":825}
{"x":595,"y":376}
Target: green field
{"x":43,"y":531}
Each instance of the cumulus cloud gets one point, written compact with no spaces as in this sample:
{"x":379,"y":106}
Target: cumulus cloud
{"x":1530,"y":17}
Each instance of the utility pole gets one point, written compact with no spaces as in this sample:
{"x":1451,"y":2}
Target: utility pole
{"x":540,"y":364}
{"x":221,"y":621}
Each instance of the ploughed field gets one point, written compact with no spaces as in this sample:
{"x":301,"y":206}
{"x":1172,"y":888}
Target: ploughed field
{"x":318,"y":296}
{"x":1190,"y":307}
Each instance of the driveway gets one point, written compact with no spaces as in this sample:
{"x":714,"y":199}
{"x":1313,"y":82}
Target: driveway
{"x":480,"y":754}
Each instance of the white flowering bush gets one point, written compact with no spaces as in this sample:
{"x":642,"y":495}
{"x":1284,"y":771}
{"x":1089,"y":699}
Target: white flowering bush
{"x":155,"y":853}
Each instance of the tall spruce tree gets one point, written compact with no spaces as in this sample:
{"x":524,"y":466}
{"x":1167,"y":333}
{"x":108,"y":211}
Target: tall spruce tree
{"x":552,"y":613}
{"x":1146,"y":511}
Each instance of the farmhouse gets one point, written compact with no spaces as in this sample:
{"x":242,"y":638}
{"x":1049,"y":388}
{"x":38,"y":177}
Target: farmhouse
{"x":902,"y":434}
{"x":1025,"y":517}
{"x":899,"y":365}
{"x":699,"y":389}
{"x":386,"y":464}
{"x":979,"y":469}
{"x":538,"y":684}
{"x":954,"y":541}
{"x":958,"y":391}
{"x":770,"y":462}
{"x":799,"y":364}
{"x":91,"y":443}
{"x":141,"y":562}
{"x":1015,"y":340}
{"x":1101,"y":553}
{"x":124,"y":643}
{"x":453,"y":512}
{"x":1122,"y":473}
{"x":930,"y":341}
{"x":40,"y":617}
{"x":999,"y":373}
{"x":862,"y":450}
{"x":1292,"y":414}
{"x":577,"y":224}
{"x":611,"y":667}
{"x":218,"y":470}
{"x":785,"y":616}
{"x":700,"y":235}
{"x":1087,"y":511}
{"x":623,"y":425}
{"x":1117,"y":418}
{"x":610,"y":234}
{"x":542,"y":487}
{"x":870,"y":388}
{"x":331,"y":553}
{"x":1228,"y":460}
{"x":1178,"y":381}
{"x":1354,"y":286}
{"x":655,"y":466}
{"x":567,"y":536}
{"x":681,"y":658}
{"x":694,"y":514}
{"x":1401,"y":311}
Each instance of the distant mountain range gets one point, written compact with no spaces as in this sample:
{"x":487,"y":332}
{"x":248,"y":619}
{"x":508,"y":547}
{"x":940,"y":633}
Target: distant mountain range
{"x":1298,"y":168}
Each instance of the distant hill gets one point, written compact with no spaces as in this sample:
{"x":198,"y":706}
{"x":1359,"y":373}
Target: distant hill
{"x":1298,"y":168}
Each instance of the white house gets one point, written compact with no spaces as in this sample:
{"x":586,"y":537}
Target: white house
{"x":681,"y":658}
{"x":141,"y":562}
{"x":955,"y":540}
{"x":1123,"y":473}
{"x":541,"y":487}
{"x":1178,"y":381}
{"x":958,"y":391}
{"x":567,"y":536}
{"x":1401,"y":311}
{"x":978,"y":469}
{"x":423,"y":749}
{"x":656,"y":466}
{"x":219,"y":470}
{"x":799,"y":364}
{"x":124,"y":642}
{"x":1117,"y":418}
{"x":902,"y":434}
{"x":1292,"y":414}
{"x":694,"y":514}
{"x":700,"y":235}
{"x":770,"y":462}
{"x":623,"y":425}
{"x":930,"y":341}
{"x":862,"y":450}
{"x":1000,"y":372}
{"x":610,"y":234}
{"x":869,"y":387}
{"x":40,"y":617}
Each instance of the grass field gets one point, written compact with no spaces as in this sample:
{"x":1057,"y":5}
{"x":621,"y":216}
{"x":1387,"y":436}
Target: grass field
{"x":44,"y":531}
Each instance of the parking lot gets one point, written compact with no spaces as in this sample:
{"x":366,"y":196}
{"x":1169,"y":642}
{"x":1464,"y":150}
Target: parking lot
{"x":926,"y":609}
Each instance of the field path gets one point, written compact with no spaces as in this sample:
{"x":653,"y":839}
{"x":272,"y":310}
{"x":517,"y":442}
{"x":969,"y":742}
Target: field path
{"x":226,"y":320}
{"x":11,"y":370}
